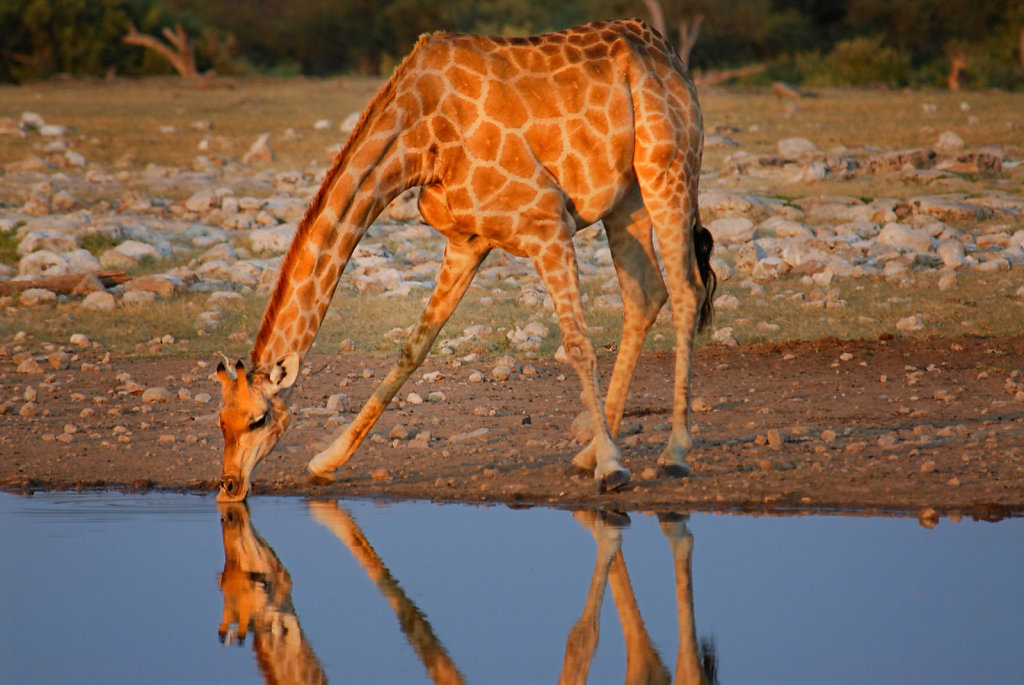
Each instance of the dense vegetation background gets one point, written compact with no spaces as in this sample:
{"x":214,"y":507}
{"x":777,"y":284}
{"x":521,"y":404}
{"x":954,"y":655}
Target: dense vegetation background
{"x":811,"y":42}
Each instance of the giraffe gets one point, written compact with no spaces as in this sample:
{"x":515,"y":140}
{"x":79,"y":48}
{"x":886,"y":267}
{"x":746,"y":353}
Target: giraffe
{"x":515,"y":143}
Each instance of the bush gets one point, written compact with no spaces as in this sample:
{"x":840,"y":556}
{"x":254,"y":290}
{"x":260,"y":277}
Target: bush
{"x":863,"y":61}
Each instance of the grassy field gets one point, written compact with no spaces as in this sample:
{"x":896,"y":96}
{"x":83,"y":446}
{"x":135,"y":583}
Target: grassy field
{"x":123,"y":124}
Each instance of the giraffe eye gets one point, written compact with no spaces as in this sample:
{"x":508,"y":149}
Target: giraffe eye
{"x":259,"y":423}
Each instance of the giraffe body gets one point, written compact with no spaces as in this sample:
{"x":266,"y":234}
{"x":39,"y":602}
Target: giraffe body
{"x":517,"y":144}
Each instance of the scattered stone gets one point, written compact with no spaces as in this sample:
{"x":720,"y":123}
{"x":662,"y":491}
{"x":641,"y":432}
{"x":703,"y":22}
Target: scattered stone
{"x":399,"y":432}
{"x":414,"y":398}
{"x":582,"y":428}
{"x":774,"y":439}
{"x":949,"y":142}
{"x":910,"y":323}
{"x":338,"y":402}
{"x":380,"y":475}
{"x":29,"y":366}
{"x":34,"y":297}
{"x":699,"y":404}
{"x":928,"y":466}
{"x":477,"y":434}
{"x":260,"y":151}
{"x":99,"y":301}
{"x":157,"y":394}
{"x":732,"y":230}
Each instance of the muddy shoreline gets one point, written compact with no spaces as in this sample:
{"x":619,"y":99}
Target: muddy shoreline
{"x":889,"y":426}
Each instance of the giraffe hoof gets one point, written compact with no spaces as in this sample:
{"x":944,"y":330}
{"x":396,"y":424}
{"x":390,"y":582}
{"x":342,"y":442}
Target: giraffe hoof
{"x":613,"y":481}
{"x":575,"y":471}
{"x":313,"y":478}
{"x":672,"y":471}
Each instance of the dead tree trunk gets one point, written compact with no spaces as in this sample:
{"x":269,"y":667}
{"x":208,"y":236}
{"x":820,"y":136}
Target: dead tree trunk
{"x":179,"y":49}
{"x":956,"y":72}
{"x":688,"y":32}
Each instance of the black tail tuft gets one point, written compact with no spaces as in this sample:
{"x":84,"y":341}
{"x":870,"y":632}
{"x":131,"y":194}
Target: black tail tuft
{"x":704,"y":244}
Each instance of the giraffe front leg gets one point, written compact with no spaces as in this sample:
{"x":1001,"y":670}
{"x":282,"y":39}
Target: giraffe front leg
{"x":460,"y":264}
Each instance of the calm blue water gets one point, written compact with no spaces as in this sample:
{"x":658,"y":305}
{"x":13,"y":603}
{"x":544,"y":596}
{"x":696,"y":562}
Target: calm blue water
{"x":111,"y":588}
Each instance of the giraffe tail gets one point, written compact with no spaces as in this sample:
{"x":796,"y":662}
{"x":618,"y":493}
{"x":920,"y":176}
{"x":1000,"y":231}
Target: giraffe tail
{"x":703,"y":245}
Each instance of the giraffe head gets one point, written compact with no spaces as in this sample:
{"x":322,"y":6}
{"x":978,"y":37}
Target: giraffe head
{"x":252,"y":418}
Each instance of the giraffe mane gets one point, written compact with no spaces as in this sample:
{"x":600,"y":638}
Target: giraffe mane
{"x":384,"y":96}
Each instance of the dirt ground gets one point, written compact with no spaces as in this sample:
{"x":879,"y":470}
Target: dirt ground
{"x":898,"y":425}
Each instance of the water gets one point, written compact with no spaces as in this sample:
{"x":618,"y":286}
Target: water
{"x":113,"y":588}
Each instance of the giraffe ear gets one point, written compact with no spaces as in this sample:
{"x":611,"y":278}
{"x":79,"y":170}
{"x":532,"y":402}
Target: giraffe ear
{"x":285,"y":372}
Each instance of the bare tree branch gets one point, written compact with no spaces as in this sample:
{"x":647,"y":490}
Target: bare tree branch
{"x":180,"y":53}
{"x":688,"y":32}
{"x":657,"y":16}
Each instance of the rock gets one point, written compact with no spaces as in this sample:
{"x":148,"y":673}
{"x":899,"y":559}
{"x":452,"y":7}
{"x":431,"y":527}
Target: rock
{"x":274,"y":240}
{"x":949,"y":209}
{"x":477,"y":434}
{"x":727,"y":303}
{"x":203,"y":398}
{"x":164,"y":286}
{"x":774,"y":439}
{"x":904,"y":237}
{"x":947,"y":281}
{"x":399,"y":432}
{"x":99,"y":301}
{"x":157,"y":394}
{"x":128,"y":254}
{"x":476,"y":377}
{"x":81,"y":261}
{"x":732,"y":230}
{"x":952,"y":253}
{"x":58,"y":360}
{"x":338,"y":402}
{"x":796,"y":147}
{"x":379,"y":475}
{"x":33,"y":297}
{"x":79,"y":340}
{"x":928,"y":466}
{"x":30,"y":365}
{"x":43,"y":263}
{"x":949,"y":142}
{"x":724,"y":336}
{"x":910,"y":323}
{"x":700,"y":404}
{"x":260,"y":151}
{"x":436,"y":396}
{"x":414,"y":398}
{"x":47,"y":239}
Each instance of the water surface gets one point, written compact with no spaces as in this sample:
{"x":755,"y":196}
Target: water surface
{"x":158,"y":588}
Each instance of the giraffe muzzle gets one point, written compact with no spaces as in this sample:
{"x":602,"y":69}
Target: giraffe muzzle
{"x":232,"y":489}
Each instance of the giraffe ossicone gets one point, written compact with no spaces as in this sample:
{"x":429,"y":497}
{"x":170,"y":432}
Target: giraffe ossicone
{"x":516,"y":143}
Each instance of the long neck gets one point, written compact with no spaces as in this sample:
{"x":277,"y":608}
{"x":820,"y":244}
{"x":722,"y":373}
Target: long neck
{"x":379,"y":161}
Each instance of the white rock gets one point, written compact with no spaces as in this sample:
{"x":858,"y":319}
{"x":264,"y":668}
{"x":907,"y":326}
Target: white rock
{"x":900,"y":236}
{"x":795,"y":147}
{"x":152,"y":395}
{"x":727,"y":303}
{"x":42,"y":263}
{"x":949,"y":142}
{"x":81,"y":261}
{"x":275,"y":240}
{"x":34,"y":297}
{"x":724,"y":336}
{"x":99,"y":301}
{"x":952,"y":253}
{"x":260,"y":151}
{"x":910,"y":323}
{"x":732,"y":230}
{"x":79,"y":340}
{"x":47,"y":239}
{"x":338,"y":402}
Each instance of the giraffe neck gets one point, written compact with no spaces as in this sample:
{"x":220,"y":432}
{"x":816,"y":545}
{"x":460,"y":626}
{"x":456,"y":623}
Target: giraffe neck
{"x":382,"y":157}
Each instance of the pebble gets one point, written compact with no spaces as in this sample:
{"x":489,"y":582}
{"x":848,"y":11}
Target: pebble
{"x":928,"y":466}
{"x":29,"y":366}
{"x":338,"y":402}
{"x":414,"y":398}
{"x":476,"y":377}
{"x":156,"y":394}
{"x":379,"y":475}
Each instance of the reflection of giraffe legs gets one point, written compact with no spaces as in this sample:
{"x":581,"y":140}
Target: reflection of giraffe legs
{"x":413,"y":623}
{"x":460,"y":264}
{"x":643,"y":663}
{"x":695,"y":664}
{"x":582,"y":641}
{"x":643,"y":295}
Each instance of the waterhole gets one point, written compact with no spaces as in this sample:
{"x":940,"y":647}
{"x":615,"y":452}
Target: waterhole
{"x":103,"y":588}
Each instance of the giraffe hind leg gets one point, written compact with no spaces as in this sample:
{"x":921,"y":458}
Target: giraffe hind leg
{"x":643,"y":295}
{"x":558,"y":269}
{"x":461,"y":261}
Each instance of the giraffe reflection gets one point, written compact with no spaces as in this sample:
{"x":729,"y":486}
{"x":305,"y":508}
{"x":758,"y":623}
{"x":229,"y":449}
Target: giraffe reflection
{"x":257,"y":596}
{"x":694,"y":665}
